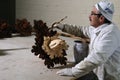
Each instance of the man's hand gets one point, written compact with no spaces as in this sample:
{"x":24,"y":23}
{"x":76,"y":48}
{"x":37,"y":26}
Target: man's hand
{"x":65,"y":72}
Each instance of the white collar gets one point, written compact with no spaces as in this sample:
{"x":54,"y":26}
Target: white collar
{"x":99,"y":28}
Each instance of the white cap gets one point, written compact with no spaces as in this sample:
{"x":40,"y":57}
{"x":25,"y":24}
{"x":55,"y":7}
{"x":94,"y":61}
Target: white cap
{"x":106,"y":8}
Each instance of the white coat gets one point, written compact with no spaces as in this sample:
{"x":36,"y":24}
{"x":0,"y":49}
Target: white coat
{"x":104,"y":51}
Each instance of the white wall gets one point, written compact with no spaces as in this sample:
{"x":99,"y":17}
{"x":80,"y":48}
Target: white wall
{"x":53,"y":10}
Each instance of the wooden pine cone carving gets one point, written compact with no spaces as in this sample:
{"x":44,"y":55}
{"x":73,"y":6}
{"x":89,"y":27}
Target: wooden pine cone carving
{"x":23,"y":27}
{"x":48,"y":46}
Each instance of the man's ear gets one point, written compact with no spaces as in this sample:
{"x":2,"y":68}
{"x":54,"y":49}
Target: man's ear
{"x":102,"y":19}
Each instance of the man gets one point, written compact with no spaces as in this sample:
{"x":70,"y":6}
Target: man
{"x":104,"y":47}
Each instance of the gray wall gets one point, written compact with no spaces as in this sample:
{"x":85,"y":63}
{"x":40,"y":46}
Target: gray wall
{"x":53,"y":10}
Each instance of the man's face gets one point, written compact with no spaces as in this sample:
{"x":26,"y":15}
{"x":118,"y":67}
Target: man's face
{"x":94,"y":18}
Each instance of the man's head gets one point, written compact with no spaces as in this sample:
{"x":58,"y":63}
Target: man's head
{"x":101,"y":13}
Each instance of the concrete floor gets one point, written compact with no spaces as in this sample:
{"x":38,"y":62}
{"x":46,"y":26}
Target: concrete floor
{"x":18,"y":63}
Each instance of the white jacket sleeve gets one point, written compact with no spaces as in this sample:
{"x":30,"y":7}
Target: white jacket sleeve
{"x":83,"y":68}
{"x":75,"y":30}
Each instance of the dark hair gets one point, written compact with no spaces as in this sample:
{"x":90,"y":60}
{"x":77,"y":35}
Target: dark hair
{"x":107,"y":21}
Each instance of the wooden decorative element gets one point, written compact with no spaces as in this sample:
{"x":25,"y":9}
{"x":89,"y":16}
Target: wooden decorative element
{"x":48,"y":46}
{"x":5,"y":29}
{"x":23,"y":27}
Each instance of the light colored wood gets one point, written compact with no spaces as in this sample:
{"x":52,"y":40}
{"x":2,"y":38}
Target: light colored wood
{"x":74,"y":37}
